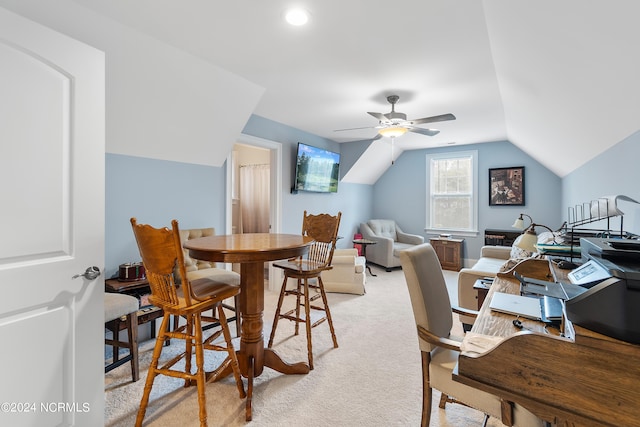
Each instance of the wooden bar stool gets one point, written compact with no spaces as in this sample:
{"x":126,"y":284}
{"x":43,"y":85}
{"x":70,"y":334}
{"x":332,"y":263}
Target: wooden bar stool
{"x":161,"y":252}
{"x":306,"y":270}
{"x":117,"y":307}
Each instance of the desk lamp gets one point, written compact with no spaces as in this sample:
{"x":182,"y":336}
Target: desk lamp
{"x":529,"y":237}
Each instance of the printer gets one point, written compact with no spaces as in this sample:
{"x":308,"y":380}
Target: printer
{"x":611,"y":275}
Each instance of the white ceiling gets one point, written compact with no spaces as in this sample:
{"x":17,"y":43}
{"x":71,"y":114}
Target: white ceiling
{"x":561,"y":80}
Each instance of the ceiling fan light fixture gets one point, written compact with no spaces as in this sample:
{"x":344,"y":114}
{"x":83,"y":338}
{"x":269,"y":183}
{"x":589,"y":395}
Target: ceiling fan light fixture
{"x":393,"y":132}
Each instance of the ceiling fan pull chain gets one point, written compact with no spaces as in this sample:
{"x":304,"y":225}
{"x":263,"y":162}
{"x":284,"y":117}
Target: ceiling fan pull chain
{"x":393,"y":138}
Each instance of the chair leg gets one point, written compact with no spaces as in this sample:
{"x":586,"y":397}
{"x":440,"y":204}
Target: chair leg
{"x":236,"y":305}
{"x":115,"y":349}
{"x":327,"y":312}
{"x":235,"y":366}
{"x":153,"y":371}
{"x":132,"y":332}
{"x":427,"y":392}
{"x":196,"y":322}
{"x":299,"y":288}
{"x":307,"y":321}
{"x":443,"y":401}
{"x":278,"y":308}
{"x":189,"y":348}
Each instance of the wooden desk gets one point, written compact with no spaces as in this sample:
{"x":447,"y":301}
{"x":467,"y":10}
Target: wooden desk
{"x":252,"y":251}
{"x":580,"y":379}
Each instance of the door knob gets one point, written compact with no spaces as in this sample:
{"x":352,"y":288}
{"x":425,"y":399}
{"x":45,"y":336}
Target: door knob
{"x":89,"y":274}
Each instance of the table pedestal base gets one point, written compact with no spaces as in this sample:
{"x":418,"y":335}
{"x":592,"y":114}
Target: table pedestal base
{"x":247,"y":368}
{"x":252,"y":355}
{"x":251,"y":251}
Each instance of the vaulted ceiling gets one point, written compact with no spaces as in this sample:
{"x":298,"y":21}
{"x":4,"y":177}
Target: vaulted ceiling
{"x":559,"y":79}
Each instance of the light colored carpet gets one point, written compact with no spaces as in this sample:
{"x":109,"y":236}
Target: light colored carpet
{"x":372,"y":379}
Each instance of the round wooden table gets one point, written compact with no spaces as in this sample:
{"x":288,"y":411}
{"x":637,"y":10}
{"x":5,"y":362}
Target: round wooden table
{"x":251,"y":251}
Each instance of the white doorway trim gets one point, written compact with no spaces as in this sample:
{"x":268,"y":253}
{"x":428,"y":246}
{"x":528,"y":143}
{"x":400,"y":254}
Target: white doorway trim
{"x":275,"y":148}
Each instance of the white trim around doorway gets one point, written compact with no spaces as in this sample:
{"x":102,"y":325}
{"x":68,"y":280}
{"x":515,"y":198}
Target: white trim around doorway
{"x":275,"y":148}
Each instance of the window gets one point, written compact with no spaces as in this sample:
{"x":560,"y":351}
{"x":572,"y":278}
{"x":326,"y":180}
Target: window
{"x":453,"y":189}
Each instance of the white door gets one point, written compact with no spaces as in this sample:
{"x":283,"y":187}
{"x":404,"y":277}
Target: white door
{"x":52,"y":221}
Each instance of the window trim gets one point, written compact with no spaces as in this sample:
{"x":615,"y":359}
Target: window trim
{"x":473,"y":232}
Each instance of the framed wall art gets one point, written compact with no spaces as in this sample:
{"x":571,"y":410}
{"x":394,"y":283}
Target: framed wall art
{"x":506,"y":186}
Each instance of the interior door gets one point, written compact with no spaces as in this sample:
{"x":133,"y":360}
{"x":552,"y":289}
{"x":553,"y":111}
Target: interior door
{"x":275,"y":194}
{"x":52,"y":219}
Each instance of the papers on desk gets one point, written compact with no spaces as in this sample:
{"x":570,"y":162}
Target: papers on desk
{"x":562,"y":291}
{"x":557,"y":249}
{"x":478,"y":343}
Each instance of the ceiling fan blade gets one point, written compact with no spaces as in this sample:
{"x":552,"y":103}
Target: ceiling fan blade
{"x":428,"y":132}
{"x":379,"y":116}
{"x":440,"y":118}
{"x":367,"y":127}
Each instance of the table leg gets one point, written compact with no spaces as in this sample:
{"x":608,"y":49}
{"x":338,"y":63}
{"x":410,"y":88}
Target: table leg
{"x":366,"y":263}
{"x":252,"y":355}
{"x":252,"y":339}
{"x":252,"y":308}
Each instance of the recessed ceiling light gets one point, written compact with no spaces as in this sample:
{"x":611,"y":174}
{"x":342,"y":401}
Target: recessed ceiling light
{"x":297,"y":17}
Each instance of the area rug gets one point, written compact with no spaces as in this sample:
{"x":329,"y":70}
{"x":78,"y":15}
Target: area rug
{"x":372,"y":379}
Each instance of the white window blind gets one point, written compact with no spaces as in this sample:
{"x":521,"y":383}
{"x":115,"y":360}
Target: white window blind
{"x":452,"y":187}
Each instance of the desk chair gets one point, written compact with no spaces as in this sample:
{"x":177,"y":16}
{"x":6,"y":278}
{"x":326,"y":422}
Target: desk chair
{"x":117,"y":306}
{"x":161,"y":250}
{"x":306,"y":271}
{"x":433,"y":315}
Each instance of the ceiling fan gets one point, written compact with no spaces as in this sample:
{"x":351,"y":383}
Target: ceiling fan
{"x":394,"y":124}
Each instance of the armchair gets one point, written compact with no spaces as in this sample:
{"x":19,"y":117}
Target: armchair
{"x":347,"y":275}
{"x":390,"y":240}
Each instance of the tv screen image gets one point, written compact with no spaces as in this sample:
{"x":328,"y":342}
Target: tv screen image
{"x":317,"y":169}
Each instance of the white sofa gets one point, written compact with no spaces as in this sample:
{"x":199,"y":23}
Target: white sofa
{"x":390,"y":240}
{"x":348,"y":273}
{"x":492,"y":258}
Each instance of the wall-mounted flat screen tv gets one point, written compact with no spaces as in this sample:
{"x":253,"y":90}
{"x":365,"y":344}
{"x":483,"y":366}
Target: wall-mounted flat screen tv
{"x":317,"y":169}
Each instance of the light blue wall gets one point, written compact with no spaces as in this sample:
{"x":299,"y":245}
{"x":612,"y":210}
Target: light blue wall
{"x":355,"y":201}
{"x":616,"y":171}
{"x":401,"y":193}
{"x":157,"y":191}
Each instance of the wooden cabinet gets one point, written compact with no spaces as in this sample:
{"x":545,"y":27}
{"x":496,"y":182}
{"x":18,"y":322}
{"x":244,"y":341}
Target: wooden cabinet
{"x":449,"y":252}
